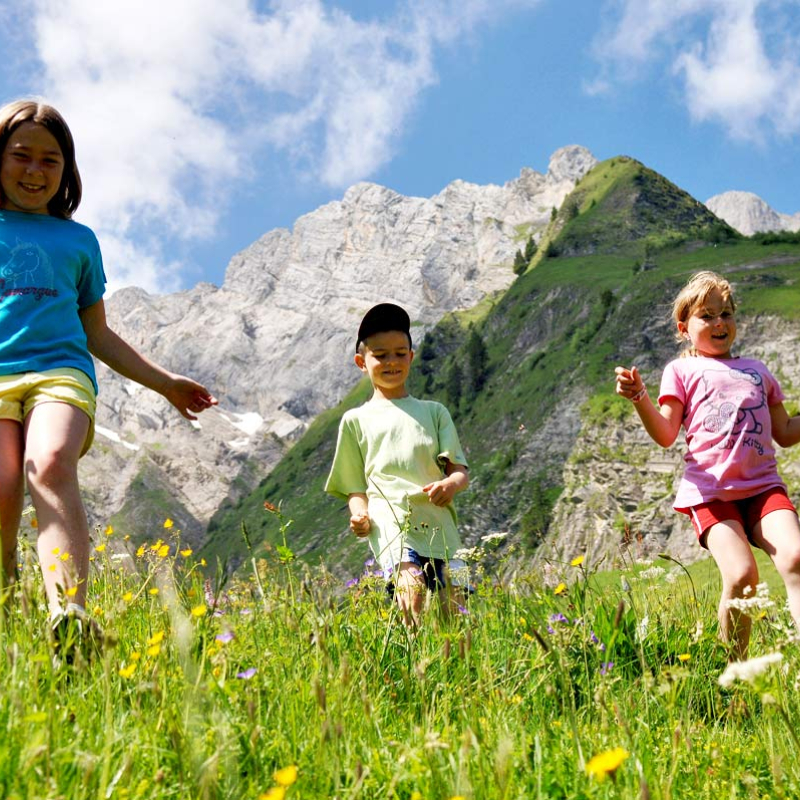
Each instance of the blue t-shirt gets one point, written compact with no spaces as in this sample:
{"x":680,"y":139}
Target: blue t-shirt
{"x":50,"y":268}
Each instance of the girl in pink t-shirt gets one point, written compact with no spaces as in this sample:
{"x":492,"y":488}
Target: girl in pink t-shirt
{"x":731,"y":409}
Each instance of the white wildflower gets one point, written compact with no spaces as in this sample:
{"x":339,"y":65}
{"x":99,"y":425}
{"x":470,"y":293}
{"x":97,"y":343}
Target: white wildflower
{"x":698,"y":632}
{"x":652,"y":574}
{"x":494,"y":537}
{"x":760,"y":601}
{"x":672,"y":575}
{"x":749,"y":670}
{"x":468,"y":554}
{"x":644,"y":562}
{"x":641,"y":628}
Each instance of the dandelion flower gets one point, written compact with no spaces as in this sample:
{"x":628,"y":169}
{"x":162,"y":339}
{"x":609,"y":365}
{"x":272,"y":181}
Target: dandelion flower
{"x":108,"y":531}
{"x":153,"y":650}
{"x":187,"y":552}
{"x":127,"y":597}
{"x":560,"y":589}
{"x":606,"y":763}
{"x":168,"y":523}
{"x":72,"y":591}
{"x":576,"y":562}
{"x":748,"y":671}
{"x":153,"y":591}
{"x":163,"y":551}
{"x":275,"y":793}
{"x":286,"y":776}
{"x":136,"y":655}
{"x":199,"y":611}
{"x":684,"y":656}
{"x":156,"y":638}
{"x":140,"y":551}
{"x":100,"y":548}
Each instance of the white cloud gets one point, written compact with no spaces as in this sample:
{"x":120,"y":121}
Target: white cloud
{"x":173,"y":103}
{"x":739,"y":65}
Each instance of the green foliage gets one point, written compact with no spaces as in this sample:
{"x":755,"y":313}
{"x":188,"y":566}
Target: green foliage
{"x":520,"y":263}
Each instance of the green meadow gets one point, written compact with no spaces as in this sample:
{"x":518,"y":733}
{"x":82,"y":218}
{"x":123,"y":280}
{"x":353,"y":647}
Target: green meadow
{"x":285,"y":682}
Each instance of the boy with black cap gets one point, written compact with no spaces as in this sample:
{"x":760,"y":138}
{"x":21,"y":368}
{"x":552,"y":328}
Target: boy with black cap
{"x":399,"y":463}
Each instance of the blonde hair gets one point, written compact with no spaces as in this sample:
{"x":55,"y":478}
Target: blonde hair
{"x":694,"y":295}
{"x":19,"y":112}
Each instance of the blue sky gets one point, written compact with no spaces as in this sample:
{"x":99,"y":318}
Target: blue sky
{"x":200,"y":125}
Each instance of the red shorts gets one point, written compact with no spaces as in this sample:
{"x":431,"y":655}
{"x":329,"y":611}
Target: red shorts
{"x":746,"y":512}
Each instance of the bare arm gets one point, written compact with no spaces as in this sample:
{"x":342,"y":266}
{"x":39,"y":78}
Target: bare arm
{"x":662,"y":424}
{"x":188,"y":396}
{"x":360,"y":522}
{"x":440,"y":493}
{"x":785,"y":429}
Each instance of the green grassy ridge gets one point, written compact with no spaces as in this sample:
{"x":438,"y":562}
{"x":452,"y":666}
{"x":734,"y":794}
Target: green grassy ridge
{"x":593,"y":304}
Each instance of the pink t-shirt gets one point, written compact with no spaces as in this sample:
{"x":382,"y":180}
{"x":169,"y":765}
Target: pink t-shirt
{"x":728,"y":427}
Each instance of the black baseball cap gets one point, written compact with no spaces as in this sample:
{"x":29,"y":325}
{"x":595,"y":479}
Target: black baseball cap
{"x":381,"y":318}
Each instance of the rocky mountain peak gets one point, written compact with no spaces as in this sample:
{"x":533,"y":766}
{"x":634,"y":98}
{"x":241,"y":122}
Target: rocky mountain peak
{"x":749,"y":214}
{"x":274,"y":342}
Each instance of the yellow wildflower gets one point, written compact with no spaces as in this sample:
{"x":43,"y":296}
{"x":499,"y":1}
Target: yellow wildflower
{"x":140,"y":551}
{"x":108,"y":531}
{"x":576,"y":562}
{"x":163,"y":551}
{"x":275,"y":793}
{"x":168,"y":523}
{"x":100,"y":548}
{"x":55,"y":551}
{"x":199,"y":611}
{"x":128,"y":671}
{"x":154,"y":650}
{"x":560,"y":589}
{"x":286,"y":776}
{"x":187,"y":552}
{"x":135,"y":655}
{"x":156,"y":638}
{"x":606,"y":763}
{"x":72,"y":591}
{"x":127,"y":597}
{"x":154,"y":547}
{"x":52,"y":568}
{"x":64,"y":556}
{"x":684,"y":657}
{"x":153,"y":591}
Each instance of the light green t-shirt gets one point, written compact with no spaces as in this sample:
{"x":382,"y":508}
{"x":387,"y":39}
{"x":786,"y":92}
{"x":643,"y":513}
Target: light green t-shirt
{"x":389,"y":450}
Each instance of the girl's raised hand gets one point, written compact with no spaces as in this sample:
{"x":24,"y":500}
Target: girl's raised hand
{"x":360,"y":525}
{"x":629,"y":381}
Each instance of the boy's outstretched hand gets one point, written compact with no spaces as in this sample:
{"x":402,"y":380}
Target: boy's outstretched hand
{"x":440,"y":493}
{"x":188,"y":396}
{"x":360,"y":524}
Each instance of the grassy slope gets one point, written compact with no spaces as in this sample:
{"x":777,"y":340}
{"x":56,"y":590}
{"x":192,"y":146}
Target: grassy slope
{"x":559,"y":329}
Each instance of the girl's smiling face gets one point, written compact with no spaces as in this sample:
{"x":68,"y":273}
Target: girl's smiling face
{"x":31,"y":169}
{"x":711,"y":327}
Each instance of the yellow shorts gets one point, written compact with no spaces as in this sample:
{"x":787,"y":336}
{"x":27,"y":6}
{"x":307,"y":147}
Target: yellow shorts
{"x":20,"y":393}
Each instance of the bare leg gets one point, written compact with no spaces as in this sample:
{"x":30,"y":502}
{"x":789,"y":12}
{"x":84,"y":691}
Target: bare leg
{"x":778,"y":535}
{"x":730,"y":548}
{"x":54,"y":437}
{"x":12,"y":492}
{"x":410,"y":593}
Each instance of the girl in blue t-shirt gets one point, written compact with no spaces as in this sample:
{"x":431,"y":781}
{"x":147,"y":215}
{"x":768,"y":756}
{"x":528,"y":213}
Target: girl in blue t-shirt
{"x":51,"y":319}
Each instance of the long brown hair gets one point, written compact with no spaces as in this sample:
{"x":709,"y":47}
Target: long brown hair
{"x":17,"y":113}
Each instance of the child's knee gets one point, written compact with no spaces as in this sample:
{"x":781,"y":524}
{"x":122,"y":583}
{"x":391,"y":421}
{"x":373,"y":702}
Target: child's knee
{"x":741,"y":579}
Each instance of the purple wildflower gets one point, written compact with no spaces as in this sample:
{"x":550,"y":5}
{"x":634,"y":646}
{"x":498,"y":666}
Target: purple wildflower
{"x":225,"y":637}
{"x":246,"y":674}
{"x":462,"y":610}
{"x":606,"y":667}
{"x":351,"y":583}
{"x":370,"y":562}
{"x":558,"y":618}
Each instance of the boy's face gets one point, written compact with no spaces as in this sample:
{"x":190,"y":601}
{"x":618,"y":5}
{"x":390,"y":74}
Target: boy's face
{"x":386,"y":358}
